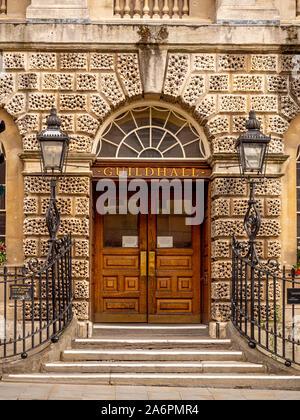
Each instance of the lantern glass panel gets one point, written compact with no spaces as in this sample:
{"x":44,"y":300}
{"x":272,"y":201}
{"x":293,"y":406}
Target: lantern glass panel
{"x":253,"y":154}
{"x":52,"y":152}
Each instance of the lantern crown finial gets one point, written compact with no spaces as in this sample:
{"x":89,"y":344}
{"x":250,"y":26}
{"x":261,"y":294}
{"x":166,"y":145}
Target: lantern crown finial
{"x":252,"y":123}
{"x":52,"y":120}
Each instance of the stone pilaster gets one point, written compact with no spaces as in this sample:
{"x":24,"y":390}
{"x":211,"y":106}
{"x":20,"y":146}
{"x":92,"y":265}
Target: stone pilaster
{"x":246,"y":11}
{"x":60,"y":11}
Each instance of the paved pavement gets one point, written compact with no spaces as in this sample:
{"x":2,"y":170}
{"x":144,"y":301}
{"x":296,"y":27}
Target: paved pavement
{"x":18,"y":391}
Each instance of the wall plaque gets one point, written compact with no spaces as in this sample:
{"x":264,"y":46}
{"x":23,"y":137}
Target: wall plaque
{"x":130,"y":241}
{"x":21,"y":292}
{"x":293,"y":296}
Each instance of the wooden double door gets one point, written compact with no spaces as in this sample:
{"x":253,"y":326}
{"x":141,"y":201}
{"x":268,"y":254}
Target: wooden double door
{"x":148,"y":268}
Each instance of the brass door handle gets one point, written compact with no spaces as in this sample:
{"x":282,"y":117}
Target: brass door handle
{"x":151,"y":264}
{"x":143,"y":263}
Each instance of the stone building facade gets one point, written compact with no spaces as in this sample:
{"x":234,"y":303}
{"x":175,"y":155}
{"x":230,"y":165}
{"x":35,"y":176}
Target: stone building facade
{"x":90,"y":61}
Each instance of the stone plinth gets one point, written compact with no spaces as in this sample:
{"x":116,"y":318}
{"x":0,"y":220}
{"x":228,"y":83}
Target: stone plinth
{"x":246,"y":11}
{"x":60,"y":11}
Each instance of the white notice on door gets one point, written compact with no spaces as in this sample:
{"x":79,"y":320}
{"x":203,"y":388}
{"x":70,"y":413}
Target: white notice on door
{"x":165,"y":242}
{"x":130,"y":241}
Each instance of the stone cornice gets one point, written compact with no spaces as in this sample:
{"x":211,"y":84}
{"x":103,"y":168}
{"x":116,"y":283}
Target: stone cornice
{"x":117,"y":36}
{"x":232,"y":157}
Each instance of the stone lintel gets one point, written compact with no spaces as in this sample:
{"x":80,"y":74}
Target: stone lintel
{"x":246,"y":12}
{"x":58,"y":11}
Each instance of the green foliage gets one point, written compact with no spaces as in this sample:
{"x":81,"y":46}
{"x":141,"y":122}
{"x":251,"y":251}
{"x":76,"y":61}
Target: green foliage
{"x":3,"y":258}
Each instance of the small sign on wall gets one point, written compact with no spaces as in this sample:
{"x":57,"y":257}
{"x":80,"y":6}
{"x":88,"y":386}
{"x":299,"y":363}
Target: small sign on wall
{"x":165,"y":242}
{"x":293,"y":296}
{"x":21,"y":292}
{"x":130,"y":241}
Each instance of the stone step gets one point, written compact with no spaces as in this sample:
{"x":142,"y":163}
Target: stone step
{"x":167,"y":355}
{"x":164,"y":379}
{"x":153,"y":367}
{"x":148,"y":343}
{"x":149,"y":330}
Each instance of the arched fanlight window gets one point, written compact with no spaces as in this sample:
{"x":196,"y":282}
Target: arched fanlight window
{"x":2,"y":194}
{"x":151,"y":132}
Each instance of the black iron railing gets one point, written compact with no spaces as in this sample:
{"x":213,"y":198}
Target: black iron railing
{"x":36,"y":300}
{"x":260,"y":311}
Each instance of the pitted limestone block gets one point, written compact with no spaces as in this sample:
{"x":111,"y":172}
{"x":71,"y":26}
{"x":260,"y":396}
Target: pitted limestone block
{"x":111,"y":88}
{"x":276,"y":145}
{"x":224,"y":144}
{"x":101,"y":61}
{"x":74,"y":185}
{"x":289,"y":108}
{"x":42,"y":61}
{"x":87,"y":124}
{"x":204,"y":62}
{"x":232,"y":103}
{"x":87,"y":81}
{"x":270,"y":187}
{"x":81,"y":310}
{"x":81,"y":289}
{"x":220,"y":249}
{"x":273,"y":207}
{"x":295,"y":87}
{"x":44,"y":246}
{"x":35,"y":226}
{"x":274,"y":249}
{"x":73,"y":102}
{"x":220,"y":312}
{"x":218,"y":125}
{"x":37,"y":311}
{"x":28,"y":123}
{"x":177,"y":72}
{"x":30,"y":247}
{"x":129,"y":70}
{"x":41,"y":101}
{"x":30,"y":205}
{"x":14,"y":60}
{"x":219,"y":82}
{"x":194,"y":89}
{"x":226,"y":228}
{"x":228,"y":186}
{"x":28,"y":81}
{"x":258,"y":291}
{"x":248,"y":83}
{"x":80,"y":143}
{"x":240,"y":206}
{"x":264,"y":62}
{"x":67,"y":122}
{"x":260,"y":249}
{"x":7,"y":85}
{"x":207,"y":107}
{"x":232,"y":62}
{"x":289,"y":63}
{"x":80,"y":269}
{"x":269,"y":227}
{"x":277,"y":125}
{"x":220,"y":207}
{"x":277,"y":83}
{"x":82,"y":206}
{"x":82,"y":248}
{"x":221,"y":270}
{"x":264,"y":103}
{"x":277,"y":288}
{"x":64,"y":205}
{"x":57,"y":81}
{"x":220,"y":290}
{"x":75,"y":226}
{"x":73,"y":61}
{"x":30,"y":143}
{"x":239,"y":123}
{"x":99,"y":106}
{"x":16,"y":105}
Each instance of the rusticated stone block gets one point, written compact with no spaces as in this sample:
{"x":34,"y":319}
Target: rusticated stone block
{"x":80,"y":269}
{"x":41,"y":101}
{"x":36,"y":185}
{"x":219,"y":82}
{"x":239,"y":123}
{"x":64,"y":205}
{"x":289,"y":108}
{"x":288,"y":63}
{"x":16,"y":105}
{"x":204,"y":62}
{"x":81,"y":289}
{"x":269,"y":227}
{"x":14,"y":60}
{"x":277,"y":83}
{"x":240,"y":206}
{"x":270,"y":187}
{"x":28,"y":123}
{"x":99,"y":106}
{"x":218,"y":125}
{"x":220,"y":248}
{"x":87,"y":81}
{"x":44,"y":247}
{"x":30,"y":143}
{"x":87,"y":124}
{"x":75,"y":226}
{"x":178,"y":69}
{"x":80,"y":143}
{"x":248,"y":83}
{"x":35,"y":226}
{"x":73,"y":61}
{"x":274,"y":249}
{"x":101,"y":61}
{"x":276,"y":145}
{"x":273,"y":207}
{"x":82,"y":248}
{"x":221,"y":270}
{"x":81,"y":310}
{"x":220,"y":290}
{"x":7,"y":85}
{"x":277,"y":125}
{"x":228,"y":186}
{"x":30,"y":247}
{"x":30,"y":205}
{"x":264,"y":62}
{"x":129,"y":71}
{"x":220,"y":207}
{"x":264,"y":103}
{"x":226,"y":228}
{"x":220,"y":311}
{"x":207,"y":107}
{"x":232,"y":62}
{"x":58,"y":81}
{"x":224,"y":144}
{"x":232,"y":103}
{"x":28,"y":81}
{"x":73,"y":102}
{"x":42,"y":61}
{"x":74,"y":185}
{"x":194,"y":89}
{"x":111,"y":88}
{"x":82,"y":206}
